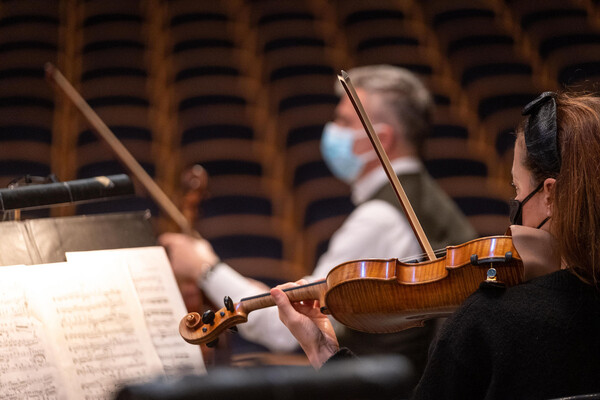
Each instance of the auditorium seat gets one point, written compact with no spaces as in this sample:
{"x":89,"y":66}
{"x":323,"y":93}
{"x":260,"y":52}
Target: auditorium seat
{"x":25,"y":139}
{"x":249,"y":211}
{"x":114,"y":82}
{"x":304,"y":166}
{"x":448,"y":122}
{"x":28,"y":39}
{"x":203,"y":40}
{"x":497,"y":77}
{"x":477,"y":43}
{"x":216,"y":94}
{"x":319,"y":198}
{"x":460,"y":167}
{"x":298,"y":58}
{"x":197,"y":25}
{"x":304,"y":162}
{"x":535,"y":18}
{"x":576,"y":66}
{"x":485,"y":206}
{"x":230,"y":157}
{"x":216,"y":101}
{"x":283,"y":23}
{"x":324,"y":190}
{"x":321,"y":203}
{"x":243,"y":194}
{"x":488,"y":214}
{"x":254,"y":245}
{"x":288,"y":85}
{"x":382,"y":33}
{"x":199,"y":58}
{"x":298,"y":122}
{"x":221,"y":124}
{"x":316,"y":238}
{"x":566,"y":37}
{"x":199,"y":20}
{"x":446,"y":157}
{"x":349,"y":12}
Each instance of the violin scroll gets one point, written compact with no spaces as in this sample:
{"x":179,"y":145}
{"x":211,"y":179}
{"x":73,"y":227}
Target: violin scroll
{"x":205,"y":329}
{"x":195,"y":329}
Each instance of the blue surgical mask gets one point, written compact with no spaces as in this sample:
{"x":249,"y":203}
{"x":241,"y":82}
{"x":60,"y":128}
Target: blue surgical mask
{"x":337,"y":144}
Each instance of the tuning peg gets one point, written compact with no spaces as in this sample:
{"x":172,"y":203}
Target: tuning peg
{"x":228,"y":303}
{"x":213,"y":343}
{"x":208,"y":317}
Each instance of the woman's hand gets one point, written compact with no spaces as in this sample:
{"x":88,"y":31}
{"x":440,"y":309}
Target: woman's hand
{"x":308,"y":324}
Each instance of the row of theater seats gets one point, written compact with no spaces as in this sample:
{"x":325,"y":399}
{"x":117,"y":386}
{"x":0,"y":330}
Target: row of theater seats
{"x":244,"y":88}
{"x":223,"y":125}
{"x":26,"y":103}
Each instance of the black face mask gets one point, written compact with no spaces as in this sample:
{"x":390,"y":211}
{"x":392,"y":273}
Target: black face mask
{"x":516,"y":208}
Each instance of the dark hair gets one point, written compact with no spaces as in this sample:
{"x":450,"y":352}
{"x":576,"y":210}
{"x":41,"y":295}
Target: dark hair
{"x":541,"y":137}
{"x":576,"y":196}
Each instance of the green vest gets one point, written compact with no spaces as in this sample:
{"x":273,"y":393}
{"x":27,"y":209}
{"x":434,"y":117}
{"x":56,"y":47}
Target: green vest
{"x":444,"y":224}
{"x":442,"y":221}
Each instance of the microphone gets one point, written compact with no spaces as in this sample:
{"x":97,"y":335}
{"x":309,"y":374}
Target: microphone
{"x":77,"y":191}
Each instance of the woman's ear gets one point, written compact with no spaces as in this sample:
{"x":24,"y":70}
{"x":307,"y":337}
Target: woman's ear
{"x":548,"y":193}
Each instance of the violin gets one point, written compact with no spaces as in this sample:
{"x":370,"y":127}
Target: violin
{"x":383,"y":296}
{"x":194,"y":182}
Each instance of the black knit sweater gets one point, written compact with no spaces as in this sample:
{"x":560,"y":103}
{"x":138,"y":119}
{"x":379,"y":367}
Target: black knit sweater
{"x":537,"y":340}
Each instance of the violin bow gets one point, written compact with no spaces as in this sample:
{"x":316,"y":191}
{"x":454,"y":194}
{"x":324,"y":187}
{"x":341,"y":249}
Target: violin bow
{"x":163,"y":201}
{"x":344,"y":79}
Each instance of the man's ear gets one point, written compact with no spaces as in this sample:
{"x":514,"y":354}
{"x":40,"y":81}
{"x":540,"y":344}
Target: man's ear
{"x":548,"y":193}
{"x":386,"y":135}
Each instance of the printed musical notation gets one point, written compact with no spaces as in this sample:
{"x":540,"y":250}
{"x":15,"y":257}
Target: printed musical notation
{"x":24,"y":348}
{"x":161,"y":302}
{"x":79,"y":330}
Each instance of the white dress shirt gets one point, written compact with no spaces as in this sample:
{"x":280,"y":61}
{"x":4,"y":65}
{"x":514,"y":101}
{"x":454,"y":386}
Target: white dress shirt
{"x":375,"y":229}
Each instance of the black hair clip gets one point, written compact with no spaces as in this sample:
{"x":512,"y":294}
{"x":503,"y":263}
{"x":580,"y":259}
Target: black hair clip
{"x":541,"y":132}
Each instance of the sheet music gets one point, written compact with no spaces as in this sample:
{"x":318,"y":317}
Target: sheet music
{"x":161,"y":301}
{"x":82,"y":328}
{"x":24,"y":347}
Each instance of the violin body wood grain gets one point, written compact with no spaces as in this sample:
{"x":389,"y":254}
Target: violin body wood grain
{"x":385,"y":296}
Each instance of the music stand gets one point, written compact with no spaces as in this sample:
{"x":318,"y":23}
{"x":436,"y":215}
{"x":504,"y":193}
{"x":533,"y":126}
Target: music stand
{"x":46,"y":240}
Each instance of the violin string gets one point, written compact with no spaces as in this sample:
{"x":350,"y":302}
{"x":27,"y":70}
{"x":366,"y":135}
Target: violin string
{"x":415,"y":258}
{"x":421,"y":256}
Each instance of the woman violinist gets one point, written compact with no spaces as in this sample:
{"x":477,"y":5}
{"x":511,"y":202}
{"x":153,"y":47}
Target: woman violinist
{"x":539,"y":339}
